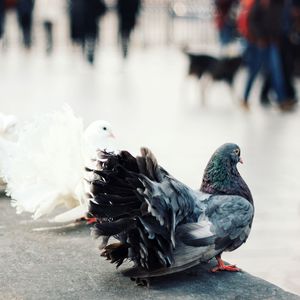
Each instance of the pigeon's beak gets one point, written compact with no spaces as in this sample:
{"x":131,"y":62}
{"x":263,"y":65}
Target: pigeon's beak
{"x":111,"y":135}
{"x":241,"y":160}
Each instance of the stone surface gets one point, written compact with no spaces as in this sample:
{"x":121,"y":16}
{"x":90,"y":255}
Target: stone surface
{"x":64,"y":263}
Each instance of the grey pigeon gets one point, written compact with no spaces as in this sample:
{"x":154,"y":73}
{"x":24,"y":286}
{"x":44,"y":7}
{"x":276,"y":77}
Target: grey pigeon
{"x":162,"y":225}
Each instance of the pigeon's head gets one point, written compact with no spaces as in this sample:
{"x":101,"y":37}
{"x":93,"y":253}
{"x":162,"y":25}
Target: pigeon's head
{"x":99,"y":135}
{"x":229,"y":153}
{"x":221,"y":174}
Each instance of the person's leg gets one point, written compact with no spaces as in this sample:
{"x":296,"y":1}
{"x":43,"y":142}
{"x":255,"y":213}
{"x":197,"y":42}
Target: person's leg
{"x":264,"y":95}
{"x":49,"y":36}
{"x":2,"y":15}
{"x":90,"y":49}
{"x":254,"y":63}
{"x":125,"y":35}
{"x":287,"y":56}
{"x":27,"y":30}
{"x":275,"y":67}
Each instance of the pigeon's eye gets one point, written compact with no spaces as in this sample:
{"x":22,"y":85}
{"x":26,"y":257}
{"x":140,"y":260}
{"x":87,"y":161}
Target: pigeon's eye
{"x":237,"y":151}
{"x":104,"y":128}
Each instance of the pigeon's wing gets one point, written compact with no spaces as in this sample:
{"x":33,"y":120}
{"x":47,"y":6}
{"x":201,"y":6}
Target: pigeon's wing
{"x":231,"y":217}
{"x":47,"y":167}
{"x":139,"y":202}
{"x":225,"y":224}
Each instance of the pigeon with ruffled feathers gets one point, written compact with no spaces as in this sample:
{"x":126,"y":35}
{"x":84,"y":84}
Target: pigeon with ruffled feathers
{"x":44,"y":168}
{"x":162,"y":225}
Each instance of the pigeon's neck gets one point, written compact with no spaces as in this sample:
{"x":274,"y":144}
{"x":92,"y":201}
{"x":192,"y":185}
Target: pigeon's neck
{"x":221,"y":178}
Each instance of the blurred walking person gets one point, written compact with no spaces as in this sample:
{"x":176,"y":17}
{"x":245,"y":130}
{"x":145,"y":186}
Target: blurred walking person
{"x":225,"y":19}
{"x":85,"y":16}
{"x":265,"y":31}
{"x":127,"y":11}
{"x":47,"y":12}
{"x":288,"y":45}
{"x":76,"y":15}
{"x":25,"y":12}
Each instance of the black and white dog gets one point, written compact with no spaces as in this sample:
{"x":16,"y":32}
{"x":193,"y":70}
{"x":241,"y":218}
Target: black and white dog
{"x":214,"y":69}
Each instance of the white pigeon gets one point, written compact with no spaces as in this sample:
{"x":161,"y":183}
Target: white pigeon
{"x":97,"y":136}
{"x":45,"y":167}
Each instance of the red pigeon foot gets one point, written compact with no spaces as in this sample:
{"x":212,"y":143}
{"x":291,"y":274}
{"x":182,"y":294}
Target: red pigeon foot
{"x":91,"y":220}
{"x":222,"y":267}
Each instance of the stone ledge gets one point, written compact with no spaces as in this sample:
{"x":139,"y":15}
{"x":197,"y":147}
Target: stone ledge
{"x":64,"y":264}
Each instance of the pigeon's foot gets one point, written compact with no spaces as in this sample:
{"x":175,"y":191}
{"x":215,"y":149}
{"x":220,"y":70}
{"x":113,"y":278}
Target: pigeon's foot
{"x":222,"y":267}
{"x":91,"y":220}
{"x":88,"y":220}
{"x":229,"y":268}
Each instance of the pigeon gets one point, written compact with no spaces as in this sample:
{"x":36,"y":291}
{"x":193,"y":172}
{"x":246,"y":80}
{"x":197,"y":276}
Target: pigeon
{"x":97,"y":136}
{"x":44,"y":168}
{"x":161,"y":224}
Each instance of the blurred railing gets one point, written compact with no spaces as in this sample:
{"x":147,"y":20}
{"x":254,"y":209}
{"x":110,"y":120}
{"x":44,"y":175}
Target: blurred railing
{"x":161,"y":22}
{"x":179,"y":22}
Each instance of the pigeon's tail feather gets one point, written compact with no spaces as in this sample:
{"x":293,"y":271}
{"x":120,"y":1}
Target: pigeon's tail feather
{"x":75,"y":213}
{"x":115,"y":227}
{"x":116,"y":253}
{"x":137,"y":201}
{"x":44,"y":161}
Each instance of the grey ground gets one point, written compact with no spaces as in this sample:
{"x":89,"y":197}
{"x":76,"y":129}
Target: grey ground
{"x":65,"y":264}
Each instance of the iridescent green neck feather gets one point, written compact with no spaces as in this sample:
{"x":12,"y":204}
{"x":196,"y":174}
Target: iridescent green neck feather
{"x":221,"y":176}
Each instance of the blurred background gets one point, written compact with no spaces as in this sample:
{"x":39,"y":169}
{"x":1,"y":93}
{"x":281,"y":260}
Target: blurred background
{"x":181,"y":77}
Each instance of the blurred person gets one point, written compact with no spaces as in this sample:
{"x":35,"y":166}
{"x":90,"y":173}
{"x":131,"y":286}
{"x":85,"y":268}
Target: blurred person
{"x":225,"y":19}
{"x":94,"y":10}
{"x":25,"y":12}
{"x":76,"y":8}
{"x":243,"y":27}
{"x":48,"y":12}
{"x":265,"y":23}
{"x":5,"y":7}
{"x":288,"y":52}
{"x":127,"y":11}
{"x":84,"y":22}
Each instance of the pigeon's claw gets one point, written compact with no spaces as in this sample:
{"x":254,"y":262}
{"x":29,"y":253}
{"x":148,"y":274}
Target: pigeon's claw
{"x":230,"y":268}
{"x":222,"y":267}
{"x":91,"y":220}
{"x":88,"y":220}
